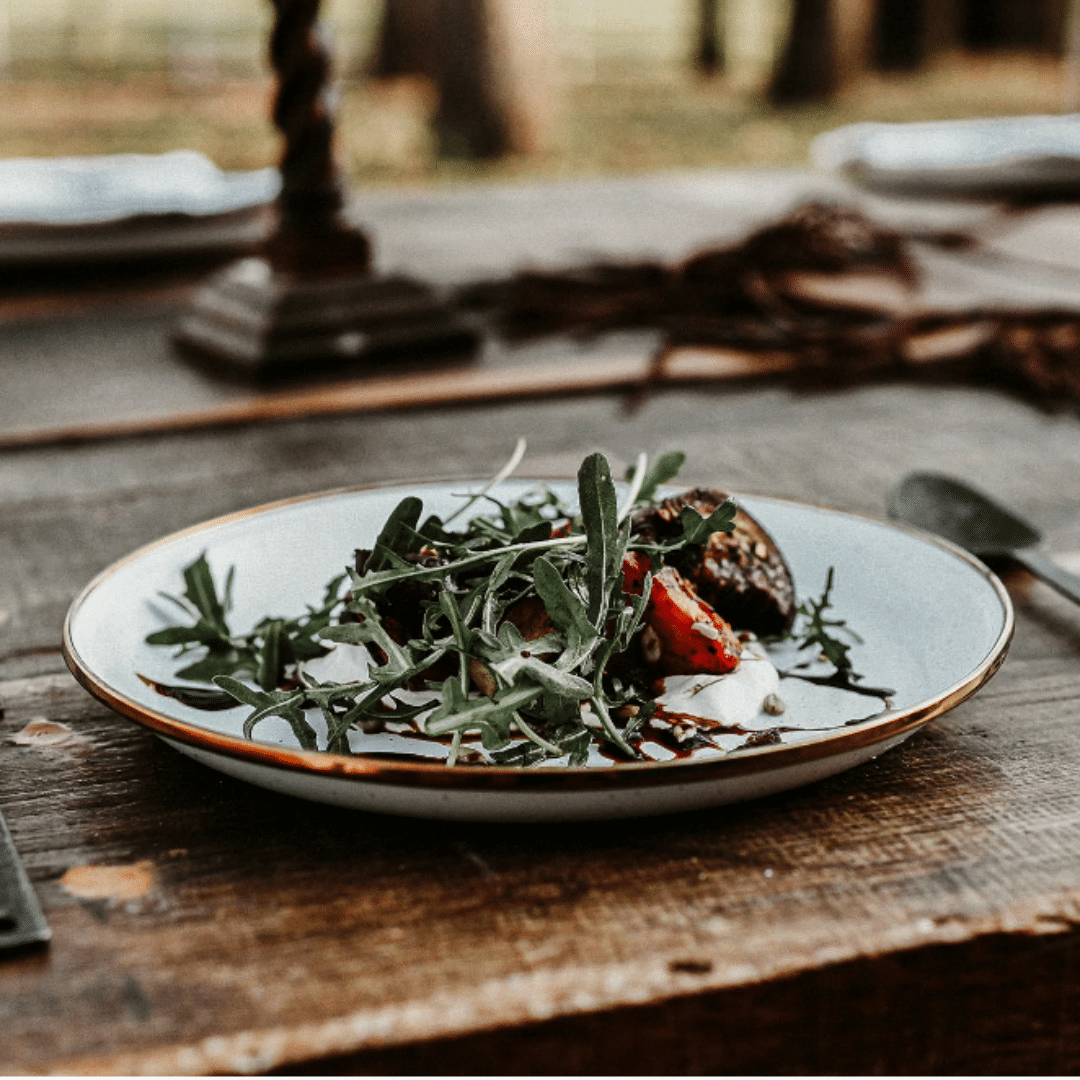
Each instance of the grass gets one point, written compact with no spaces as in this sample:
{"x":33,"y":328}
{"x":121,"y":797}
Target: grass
{"x":609,"y":125}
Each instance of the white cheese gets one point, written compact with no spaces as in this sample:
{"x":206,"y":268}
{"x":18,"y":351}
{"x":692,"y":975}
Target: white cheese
{"x":734,"y":700}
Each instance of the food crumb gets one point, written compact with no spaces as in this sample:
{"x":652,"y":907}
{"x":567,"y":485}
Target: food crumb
{"x":129,"y":882}
{"x":773,"y":704}
{"x":40,"y":732}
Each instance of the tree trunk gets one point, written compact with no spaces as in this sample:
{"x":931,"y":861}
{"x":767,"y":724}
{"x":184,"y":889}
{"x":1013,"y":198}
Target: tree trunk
{"x":854,"y":38}
{"x":1014,"y":24}
{"x":406,"y":41}
{"x":485,"y":60}
{"x":900,"y":38}
{"x":807,"y":71}
{"x":709,"y":55}
{"x":471,"y":121}
{"x":1070,"y":76}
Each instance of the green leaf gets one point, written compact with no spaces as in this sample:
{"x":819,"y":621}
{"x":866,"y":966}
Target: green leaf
{"x":815,"y":629}
{"x":241,"y":691}
{"x":398,"y":536}
{"x":303,"y":648}
{"x":564,"y":608}
{"x":572,"y":737}
{"x":519,"y":670}
{"x":457,"y":712}
{"x":214,"y":664}
{"x":349,"y":633}
{"x":271,"y":658}
{"x":369,"y":631}
{"x":199,"y":589}
{"x":380,"y":580}
{"x":229,"y":579}
{"x":288,"y":704}
{"x":599,"y":514}
{"x":332,"y":594}
{"x":448,"y":605}
{"x":697,"y":528}
{"x":521,"y":755}
{"x":575,"y":739}
{"x":665,"y":468}
{"x":199,"y":634}
{"x":631,"y":616}
{"x":197,"y":697}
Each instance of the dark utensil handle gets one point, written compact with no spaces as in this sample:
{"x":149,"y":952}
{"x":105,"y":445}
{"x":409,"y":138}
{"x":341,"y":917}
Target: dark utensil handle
{"x":21,"y":922}
{"x":1044,"y":568}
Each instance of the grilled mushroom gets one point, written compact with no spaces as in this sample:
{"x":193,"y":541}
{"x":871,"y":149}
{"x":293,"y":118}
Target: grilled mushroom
{"x":742,"y":574}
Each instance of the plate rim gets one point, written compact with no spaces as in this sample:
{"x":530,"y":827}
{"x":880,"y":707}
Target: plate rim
{"x":370,"y":769}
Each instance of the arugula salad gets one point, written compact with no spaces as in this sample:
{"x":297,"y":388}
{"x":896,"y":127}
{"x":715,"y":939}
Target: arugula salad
{"x":525,"y":631}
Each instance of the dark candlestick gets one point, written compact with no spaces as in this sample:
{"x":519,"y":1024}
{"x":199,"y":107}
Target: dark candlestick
{"x":311,"y":299}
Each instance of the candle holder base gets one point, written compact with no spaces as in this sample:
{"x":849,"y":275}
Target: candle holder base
{"x":257,"y":321}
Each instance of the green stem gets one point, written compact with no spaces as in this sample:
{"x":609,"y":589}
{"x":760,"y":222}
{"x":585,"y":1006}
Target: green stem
{"x":498,"y":478}
{"x":471,"y":717}
{"x":549,"y":748}
{"x":455,"y":747}
{"x":391,"y":577}
{"x":612,"y":731}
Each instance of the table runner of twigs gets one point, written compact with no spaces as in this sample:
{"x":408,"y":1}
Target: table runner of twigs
{"x":752,"y":309}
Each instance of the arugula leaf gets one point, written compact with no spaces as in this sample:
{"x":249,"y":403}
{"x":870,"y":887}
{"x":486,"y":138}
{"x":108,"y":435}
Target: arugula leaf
{"x":696,"y":528}
{"x":200,"y":591}
{"x":219,"y":663}
{"x":564,"y":608}
{"x":198,"y":697}
{"x":492,"y":717}
{"x":816,"y":633}
{"x":665,"y":468}
{"x":199,"y":634}
{"x":599,"y":516}
{"x":399,"y":533}
{"x":288,"y":704}
{"x":272,"y":657}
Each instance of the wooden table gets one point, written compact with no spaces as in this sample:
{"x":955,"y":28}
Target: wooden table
{"x":918,"y":914}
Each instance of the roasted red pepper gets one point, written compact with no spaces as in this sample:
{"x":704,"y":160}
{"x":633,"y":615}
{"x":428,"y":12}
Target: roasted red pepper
{"x":683,"y":634}
{"x":635,"y":566}
{"x":691,"y":636}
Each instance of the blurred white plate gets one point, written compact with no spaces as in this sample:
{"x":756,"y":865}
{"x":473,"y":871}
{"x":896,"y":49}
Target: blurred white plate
{"x":935,"y":623}
{"x":1000,"y":156}
{"x":85,"y":190}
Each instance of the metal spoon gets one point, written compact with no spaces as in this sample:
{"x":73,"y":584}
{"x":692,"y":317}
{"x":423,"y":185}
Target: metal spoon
{"x":957,"y":512}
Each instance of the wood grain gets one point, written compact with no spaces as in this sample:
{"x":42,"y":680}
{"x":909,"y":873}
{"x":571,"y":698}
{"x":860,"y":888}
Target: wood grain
{"x":278,"y":933}
{"x":260,"y":903}
{"x":916,"y":915}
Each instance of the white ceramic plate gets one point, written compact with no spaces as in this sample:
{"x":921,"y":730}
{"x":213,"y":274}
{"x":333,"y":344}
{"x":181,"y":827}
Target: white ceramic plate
{"x":935,"y":625}
{"x":1000,"y":156}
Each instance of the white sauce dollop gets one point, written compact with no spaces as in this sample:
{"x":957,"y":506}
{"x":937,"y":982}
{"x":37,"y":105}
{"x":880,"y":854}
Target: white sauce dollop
{"x":734,"y":699}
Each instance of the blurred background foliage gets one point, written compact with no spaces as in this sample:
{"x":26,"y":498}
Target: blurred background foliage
{"x":623,"y":84}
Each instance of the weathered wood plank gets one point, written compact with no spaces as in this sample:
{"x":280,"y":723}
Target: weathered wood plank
{"x":917,"y":914}
{"x":999,"y":1005}
{"x":260,"y":904}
